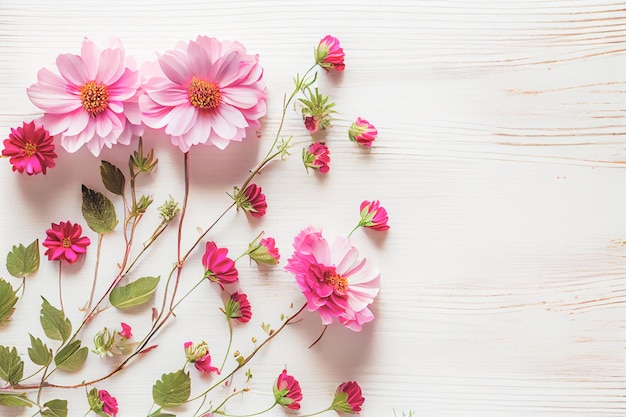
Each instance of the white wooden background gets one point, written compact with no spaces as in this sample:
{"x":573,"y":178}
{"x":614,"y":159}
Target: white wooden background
{"x":500,"y":160}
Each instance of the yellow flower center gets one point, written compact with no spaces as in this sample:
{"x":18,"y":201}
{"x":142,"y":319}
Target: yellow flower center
{"x":95,"y":97}
{"x":30,"y":149}
{"x":203,"y":94}
{"x":339,"y":283}
{"x":66,"y":242}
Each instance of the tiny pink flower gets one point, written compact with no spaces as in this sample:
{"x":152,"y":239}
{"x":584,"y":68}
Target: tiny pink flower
{"x":374,"y":216}
{"x":252,"y":201}
{"x":264,"y":252}
{"x":65,"y":243}
{"x":204,"y":365}
{"x":126,"y":332}
{"x":335,"y":282}
{"x":317,"y":157}
{"x":238,"y":307}
{"x":287,"y":391}
{"x":219,"y":267}
{"x":312,"y":123}
{"x":362,"y":132}
{"x":329,"y":54}
{"x":109,"y":404}
{"x":348,"y":398}
{"x":30,"y":149}
{"x":200,"y":357}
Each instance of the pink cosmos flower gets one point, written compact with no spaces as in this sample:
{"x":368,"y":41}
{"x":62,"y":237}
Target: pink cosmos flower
{"x":126,"y":332}
{"x":374,"y":216}
{"x":204,"y":91}
{"x":348,"y":398}
{"x":264,"y":252}
{"x":65,"y":243}
{"x":253,"y":201}
{"x":287,"y":391}
{"x":109,"y":404}
{"x":30,"y":148}
{"x":329,"y":54}
{"x":334,"y":281}
{"x":219,"y":267}
{"x":238,"y":307}
{"x":362,"y":132}
{"x":317,"y":157}
{"x":94,"y":100}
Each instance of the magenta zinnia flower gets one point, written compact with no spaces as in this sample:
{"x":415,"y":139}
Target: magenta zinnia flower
{"x":94,"y":100}
{"x":205,"y":91}
{"x":238,"y":307}
{"x":109,"y":404}
{"x":65,"y":243}
{"x":362,"y":132}
{"x":348,"y":398}
{"x":253,"y":201}
{"x":219,"y":267}
{"x":317,"y":157}
{"x":329,"y":54}
{"x":287,"y":391}
{"x":334,"y":281}
{"x":374,"y":216}
{"x":30,"y":148}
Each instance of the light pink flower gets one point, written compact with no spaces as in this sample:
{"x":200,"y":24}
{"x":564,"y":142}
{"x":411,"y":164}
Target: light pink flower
{"x":253,"y":201}
{"x":362,"y":132}
{"x":204,"y":91}
{"x":109,"y":404}
{"x":94,"y":100}
{"x":238,"y":307}
{"x":374,"y":216}
{"x":30,"y":149}
{"x":329,"y":54}
{"x":65,"y":243}
{"x":348,"y":398}
{"x":218,"y":266}
{"x":126,"y":332}
{"x":334,"y":281}
{"x":287,"y":391}
{"x":317,"y":156}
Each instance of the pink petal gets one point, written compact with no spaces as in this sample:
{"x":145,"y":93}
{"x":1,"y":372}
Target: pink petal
{"x":111,"y":66}
{"x":199,"y":61}
{"x":51,"y":94}
{"x":72,"y":69}
{"x":175,"y":68}
{"x":91,"y":57}
{"x":181,"y":119}
{"x":77,"y":122}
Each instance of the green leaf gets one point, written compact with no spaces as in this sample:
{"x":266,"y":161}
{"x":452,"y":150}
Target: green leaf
{"x":22,"y":261}
{"x":71,"y":357}
{"x":55,"y":408}
{"x":14,"y":399}
{"x":98,"y":211}
{"x":38,"y":352}
{"x":11,"y":366}
{"x":8,"y":298}
{"x":172,"y":389}
{"x":135,"y":293}
{"x":112,"y":178}
{"x":54,"y":323}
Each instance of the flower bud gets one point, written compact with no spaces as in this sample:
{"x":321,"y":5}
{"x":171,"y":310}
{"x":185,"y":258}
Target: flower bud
{"x":264,"y":252}
{"x":362,"y":132}
{"x":329,"y":54}
{"x":317,"y":156}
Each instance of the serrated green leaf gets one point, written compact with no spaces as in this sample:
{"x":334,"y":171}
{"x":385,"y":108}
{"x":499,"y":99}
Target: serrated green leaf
{"x":135,"y":293}
{"x":98,"y":211}
{"x":38,"y":352}
{"x":11,"y":366}
{"x":112,"y":178}
{"x":8,"y":299}
{"x":71,"y":357}
{"x":55,"y":408}
{"x":16,"y":399}
{"x":54,"y":323}
{"x":172,"y":389}
{"x":23,"y":260}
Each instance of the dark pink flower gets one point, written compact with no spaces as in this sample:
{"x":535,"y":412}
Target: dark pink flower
{"x":287,"y":391}
{"x":238,"y":307}
{"x":348,"y":398}
{"x":126,"y":332}
{"x":109,"y":404}
{"x":64,"y":242}
{"x":329,"y":54}
{"x":219,"y":267}
{"x":204,"y":365}
{"x":200,"y":357}
{"x":253,"y":201}
{"x":362,"y":132}
{"x":312,"y":124}
{"x":335,"y":282}
{"x":374,"y":216}
{"x":317,"y":157}
{"x":264,"y":252}
{"x":30,"y":149}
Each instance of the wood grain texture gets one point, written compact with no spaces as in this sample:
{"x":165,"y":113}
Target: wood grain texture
{"x":500,"y":160}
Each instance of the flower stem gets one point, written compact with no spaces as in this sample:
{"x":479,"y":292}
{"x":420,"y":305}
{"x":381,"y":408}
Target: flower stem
{"x":246,"y":415}
{"x":60,"y":290}
{"x":317,"y":413}
{"x":225,"y":400}
{"x":354,"y":230}
{"x":95,"y":274}
{"x":230,"y":342}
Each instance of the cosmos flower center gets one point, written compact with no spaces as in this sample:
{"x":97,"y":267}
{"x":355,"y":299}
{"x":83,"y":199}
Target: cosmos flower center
{"x":339,"y":283}
{"x":30,"y":149}
{"x":66,"y":242}
{"x":203,"y":94}
{"x":95,"y":97}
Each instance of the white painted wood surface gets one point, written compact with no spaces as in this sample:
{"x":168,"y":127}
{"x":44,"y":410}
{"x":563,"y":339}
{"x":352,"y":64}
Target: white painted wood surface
{"x":500,"y":160}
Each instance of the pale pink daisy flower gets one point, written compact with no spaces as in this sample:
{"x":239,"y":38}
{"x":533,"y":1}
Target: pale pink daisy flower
{"x":334,"y":281}
{"x":204,"y":91}
{"x":94,"y":101}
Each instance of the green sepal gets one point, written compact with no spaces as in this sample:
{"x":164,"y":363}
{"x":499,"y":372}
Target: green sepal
{"x":71,"y":357}
{"x":98,"y":211}
{"x":54,"y":323}
{"x":172,"y":389}
{"x":55,"y":408}
{"x":8,"y":299}
{"x":38,"y":352}
{"x":11,"y":366}
{"x":112,"y":178}
{"x":23,"y":260}
{"x":135,"y":293}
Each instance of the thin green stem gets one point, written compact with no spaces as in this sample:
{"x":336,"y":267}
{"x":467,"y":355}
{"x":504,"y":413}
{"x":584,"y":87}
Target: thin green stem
{"x":223,"y":402}
{"x":317,"y":413}
{"x":60,"y":289}
{"x":354,"y":230}
{"x":95,"y":274}
{"x":230,"y":342}
{"x":247,"y":415}
{"x":188,"y":292}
